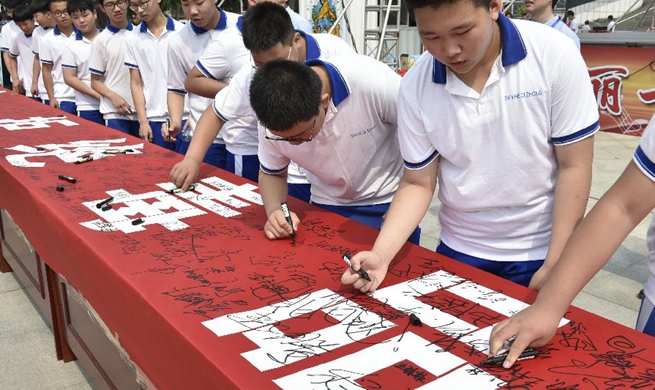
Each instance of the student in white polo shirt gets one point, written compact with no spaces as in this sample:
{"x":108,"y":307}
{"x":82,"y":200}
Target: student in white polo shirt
{"x":268,"y":34}
{"x":543,"y":11}
{"x":75,"y":62}
{"x":337,"y":119}
{"x":503,"y":113}
{"x":599,"y":235}
{"x":184,"y":49}
{"x":9,"y":33}
{"x":299,"y":22}
{"x":51,"y":50}
{"x":109,"y":76}
{"x":43,"y":16}
{"x":146,"y":55}
{"x":20,"y":51}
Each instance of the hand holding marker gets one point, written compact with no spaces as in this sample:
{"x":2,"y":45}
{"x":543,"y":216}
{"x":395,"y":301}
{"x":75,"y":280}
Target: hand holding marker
{"x":361,"y":272}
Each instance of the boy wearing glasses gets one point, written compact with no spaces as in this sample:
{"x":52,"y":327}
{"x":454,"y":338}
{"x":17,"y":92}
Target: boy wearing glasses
{"x":337,"y":119}
{"x":146,"y":57}
{"x":109,"y":77}
{"x":206,"y":22}
{"x":51,"y":50}
{"x":75,"y":62}
{"x":268,"y":34}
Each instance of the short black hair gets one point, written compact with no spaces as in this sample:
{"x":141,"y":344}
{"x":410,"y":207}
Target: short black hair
{"x":610,"y":17}
{"x":284,"y":93}
{"x":570,"y":12}
{"x":22,"y":13}
{"x":42,"y":6}
{"x":56,"y":1}
{"x":265,"y":25}
{"x":80,"y":5}
{"x":13,"y":4}
{"x":414,"y":4}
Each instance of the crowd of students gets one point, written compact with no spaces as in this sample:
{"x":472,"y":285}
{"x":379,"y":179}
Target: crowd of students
{"x":306,"y":116}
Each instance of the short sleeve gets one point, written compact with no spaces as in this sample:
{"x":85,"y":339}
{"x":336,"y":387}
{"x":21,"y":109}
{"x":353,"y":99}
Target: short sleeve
{"x":574,"y":110}
{"x":130,"y":57}
{"x":415,"y":146}
{"x":177,"y":71}
{"x":68,"y":59}
{"x":98,"y":58}
{"x":214,"y":63}
{"x":644,"y":157}
{"x":45,"y":52}
{"x":7,"y":38}
{"x":35,"y":43}
{"x":233,"y":101}
{"x":13,"y":48}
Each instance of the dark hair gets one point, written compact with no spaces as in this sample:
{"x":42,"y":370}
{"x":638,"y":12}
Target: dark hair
{"x":283,"y":93}
{"x":569,"y":12}
{"x":610,"y":17}
{"x":414,"y":4}
{"x":265,"y":25}
{"x":12,"y":4}
{"x":42,"y":6}
{"x":55,"y":1}
{"x":22,"y":13}
{"x":80,"y":5}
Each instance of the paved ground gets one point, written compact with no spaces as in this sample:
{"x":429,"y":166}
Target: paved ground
{"x":27,"y":351}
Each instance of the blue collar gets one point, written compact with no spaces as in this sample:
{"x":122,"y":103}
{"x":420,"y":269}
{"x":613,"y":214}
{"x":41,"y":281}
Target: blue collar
{"x":312,"y":52}
{"x":222,"y":24}
{"x":79,"y":36}
{"x":114,"y":30}
{"x":340,"y":90}
{"x":170,"y":24}
{"x":513,"y":49}
{"x":28,"y":35}
{"x":240,"y":24}
{"x":56,"y":30}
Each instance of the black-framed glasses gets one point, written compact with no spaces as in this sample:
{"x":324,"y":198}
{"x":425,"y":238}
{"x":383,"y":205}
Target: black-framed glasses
{"x":143,"y":5}
{"x":59,"y":13}
{"x":297,"y":139}
{"x":111,"y":6}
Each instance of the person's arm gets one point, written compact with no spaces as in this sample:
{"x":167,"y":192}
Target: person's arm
{"x":17,"y":83}
{"x":273,"y":189}
{"x":185,"y":172}
{"x":198,"y":83}
{"x":36,"y":71}
{"x":571,"y":195}
{"x":11,"y":65}
{"x":71,"y":79}
{"x":136,"y":85}
{"x":46,"y":68}
{"x":175,"y":103}
{"x":599,"y":235}
{"x":409,"y":205}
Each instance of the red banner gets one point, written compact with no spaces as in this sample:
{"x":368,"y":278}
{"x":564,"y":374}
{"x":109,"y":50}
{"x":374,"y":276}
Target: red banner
{"x":624,"y":84}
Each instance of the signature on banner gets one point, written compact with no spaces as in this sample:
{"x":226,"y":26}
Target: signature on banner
{"x":70,"y":152}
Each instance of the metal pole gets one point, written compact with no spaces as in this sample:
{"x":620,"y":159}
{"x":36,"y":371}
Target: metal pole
{"x":643,"y":16}
{"x":384,"y":29}
{"x":627,"y":12}
{"x":343,"y":13}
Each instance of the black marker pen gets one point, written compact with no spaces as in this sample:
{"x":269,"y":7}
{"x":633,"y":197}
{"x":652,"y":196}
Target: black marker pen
{"x":191,"y":187}
{"x":84,"y":159}
{"x":361,"y":272}
{"x":529,"y":353}
{"x":105,"y":202}
{"x":68,"y":179}
{"x":287,"y":216}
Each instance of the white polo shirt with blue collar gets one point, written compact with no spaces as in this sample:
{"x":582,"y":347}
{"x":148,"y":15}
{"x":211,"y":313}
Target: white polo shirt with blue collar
{"x":224,"y":57}
{"x":557,"y":24}
{"x":76,"y":56}
{"x":184,"y":49}
{"x":51,"y":50}
{"x":148,"y":53}
{"x":496,"y":150}
{"x":355,"y":158}
{"x":107,"y":61}
{"x":9,"y":33}
{"x":21,"y":49}
{"x":37,"y":36}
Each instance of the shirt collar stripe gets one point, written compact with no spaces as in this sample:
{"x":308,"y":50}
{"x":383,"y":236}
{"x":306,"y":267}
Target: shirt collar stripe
{"x":340,"y":90}
{"x":222,"y":24}
{"x":170,"y":24}
{"x":114,"y":30}
{"x":312,"y":49}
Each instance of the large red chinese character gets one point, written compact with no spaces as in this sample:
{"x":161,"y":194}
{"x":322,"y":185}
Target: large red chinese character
{"x":607,"y":87}
{"x":647,"y":96}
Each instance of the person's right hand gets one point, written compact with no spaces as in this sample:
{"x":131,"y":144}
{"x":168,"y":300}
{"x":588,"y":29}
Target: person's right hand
{"x":185,"y":173}
{"x":122,"y":106}
{"x":373,"y":264}
{"x":278,"y":227}
{"x":54,"y":103}
{"x":34,"y":90}
{"x":18,"y":88}
{"x":533,"y":327}
{"x":145,"y":131}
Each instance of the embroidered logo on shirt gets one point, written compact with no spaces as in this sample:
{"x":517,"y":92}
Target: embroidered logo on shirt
{"x":522,"y":95}
{"x":362,"y":132}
